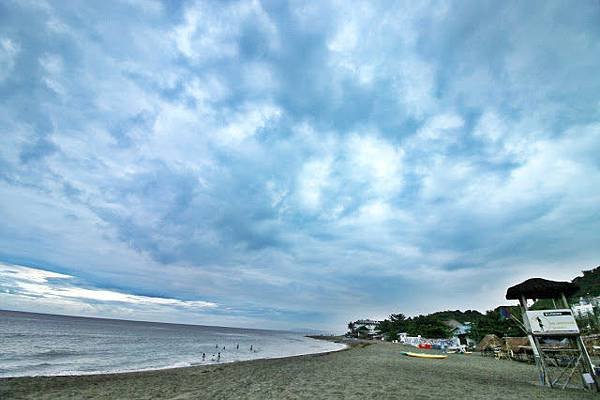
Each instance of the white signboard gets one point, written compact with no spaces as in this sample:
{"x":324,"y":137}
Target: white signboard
{"x":552,"y":322}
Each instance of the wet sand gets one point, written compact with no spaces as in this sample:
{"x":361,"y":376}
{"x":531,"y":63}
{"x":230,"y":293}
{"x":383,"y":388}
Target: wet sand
{"x":375,"y":371}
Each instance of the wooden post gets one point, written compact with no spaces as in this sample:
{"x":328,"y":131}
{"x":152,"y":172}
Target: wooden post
{"x":581,"y":345}
{"x":554,"y":324}
{"x":533,"y":342}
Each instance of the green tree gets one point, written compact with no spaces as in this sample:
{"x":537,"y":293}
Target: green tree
{"x":589,"y":284}
{"x":493,"y":323}
{"x":429,"y":326}
{"x":589,"y":323}
{"x":362,"y":331}
{"x":391,"y":327}
{"x":433,"y":326}
{"x":352,"y":329}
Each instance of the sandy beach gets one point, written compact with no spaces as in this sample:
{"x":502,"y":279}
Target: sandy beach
{"x":376,"y":371}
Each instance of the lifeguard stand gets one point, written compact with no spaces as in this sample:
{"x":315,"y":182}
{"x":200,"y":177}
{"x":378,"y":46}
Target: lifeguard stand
{"x":565,"y":361}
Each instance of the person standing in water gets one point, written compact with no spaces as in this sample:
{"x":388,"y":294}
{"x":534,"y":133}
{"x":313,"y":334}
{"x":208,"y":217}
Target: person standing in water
{"x":250,"y":347}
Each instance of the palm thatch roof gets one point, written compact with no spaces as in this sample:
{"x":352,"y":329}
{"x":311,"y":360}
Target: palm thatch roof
{"x":489,"y":341}
{"x":538,"y":288}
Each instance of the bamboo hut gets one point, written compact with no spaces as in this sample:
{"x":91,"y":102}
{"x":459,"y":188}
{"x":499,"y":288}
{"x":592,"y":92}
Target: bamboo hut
{"x":489,"y":342}
{"x":517,"y":348}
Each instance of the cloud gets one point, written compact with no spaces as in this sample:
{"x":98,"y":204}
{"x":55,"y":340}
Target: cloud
{"x":297,"y":164}
{"x":203,"y":42}
{"x":8,"y":53}
{"x":248,"y":122}
{"x":441,"y":127}
{"x":50,"y":287}
{"x":377,"y":163}
{"x":52,"y":64}
{"x":314,"y":177}
{"x":416,"y":83}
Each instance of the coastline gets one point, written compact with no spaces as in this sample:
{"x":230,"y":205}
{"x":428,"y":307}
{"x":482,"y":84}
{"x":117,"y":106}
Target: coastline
{"x":336,"y":339}
{"x":361,"y":370}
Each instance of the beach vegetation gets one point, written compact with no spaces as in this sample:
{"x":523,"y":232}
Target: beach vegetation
{"x":352,"y":332}
{"x":501,"y":324}
{"x":589,"y":284}
{"x":589,"y":323}
{"x":425,"y":325}
{"x":362,"y":332}
{"x":434,"y":325}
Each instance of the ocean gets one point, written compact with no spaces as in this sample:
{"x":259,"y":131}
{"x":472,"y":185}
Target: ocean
{"x":46,"y":345}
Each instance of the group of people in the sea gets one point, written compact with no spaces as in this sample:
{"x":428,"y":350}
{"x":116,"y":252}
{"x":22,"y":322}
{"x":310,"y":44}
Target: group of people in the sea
{"x":217,"y":357}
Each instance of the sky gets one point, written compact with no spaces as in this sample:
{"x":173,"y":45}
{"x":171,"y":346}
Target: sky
{"x":294,"y":165}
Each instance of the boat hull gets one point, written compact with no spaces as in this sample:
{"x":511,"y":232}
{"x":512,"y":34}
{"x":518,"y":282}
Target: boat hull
{"x":427,"y":356}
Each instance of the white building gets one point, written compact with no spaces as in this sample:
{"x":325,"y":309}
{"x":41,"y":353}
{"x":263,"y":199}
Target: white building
{"x":369,"y":324}
{"x":584,"y":307}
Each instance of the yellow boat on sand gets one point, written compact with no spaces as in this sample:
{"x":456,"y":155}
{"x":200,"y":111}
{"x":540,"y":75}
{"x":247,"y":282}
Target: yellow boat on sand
{"x":423,"y":355}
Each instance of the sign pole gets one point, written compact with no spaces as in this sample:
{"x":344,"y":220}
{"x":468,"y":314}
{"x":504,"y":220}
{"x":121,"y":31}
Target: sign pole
{"x":557,"y":363}
{"x":581,"y":345}
{"x":533,"y":342}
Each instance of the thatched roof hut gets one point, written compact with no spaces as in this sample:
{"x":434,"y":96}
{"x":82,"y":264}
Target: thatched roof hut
{"x":515,"y":344}
{"x":489,"y":342}
{"x":538,"y":288}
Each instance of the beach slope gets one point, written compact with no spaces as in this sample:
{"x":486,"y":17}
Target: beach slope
{"x":376,"y":371}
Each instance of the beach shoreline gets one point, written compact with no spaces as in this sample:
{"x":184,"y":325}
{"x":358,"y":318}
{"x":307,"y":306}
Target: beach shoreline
{"x":361,"y":370}
{"x":192,"y":365}
{"x":36,"y":345}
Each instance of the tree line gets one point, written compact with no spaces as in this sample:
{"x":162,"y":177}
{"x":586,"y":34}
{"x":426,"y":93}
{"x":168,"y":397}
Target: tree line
{"x":434,"y":326}
{"x":501,"y":321}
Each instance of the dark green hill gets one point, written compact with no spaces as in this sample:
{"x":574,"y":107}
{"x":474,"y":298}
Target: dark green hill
{"x":589,"y":286}
{"x":460,"y":316}
{"x":589,"y":283}
{"x":493,"y":321}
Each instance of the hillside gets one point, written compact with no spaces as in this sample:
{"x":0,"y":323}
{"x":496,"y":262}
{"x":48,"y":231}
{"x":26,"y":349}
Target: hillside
{"x":493,"y":321}
{"x":589,"y":283}
{"x":460,"y":316}
{"x":589,"y":286}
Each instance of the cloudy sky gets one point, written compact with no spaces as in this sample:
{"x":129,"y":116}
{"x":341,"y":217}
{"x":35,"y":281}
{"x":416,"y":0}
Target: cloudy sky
{"x":294,"y":164}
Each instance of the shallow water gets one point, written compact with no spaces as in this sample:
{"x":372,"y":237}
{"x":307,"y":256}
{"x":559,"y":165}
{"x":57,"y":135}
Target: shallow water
{"x":36,"y":344}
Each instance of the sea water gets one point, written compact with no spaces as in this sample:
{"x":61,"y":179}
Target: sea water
{"x":39,"y":344}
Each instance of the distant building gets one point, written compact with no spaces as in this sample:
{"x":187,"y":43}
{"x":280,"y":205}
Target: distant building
{"x":585,"y":307}
{"x":402,"y":337}
{"x":461,"y":330}
{"x":366,"y":328}
{"x":458,"y":328}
